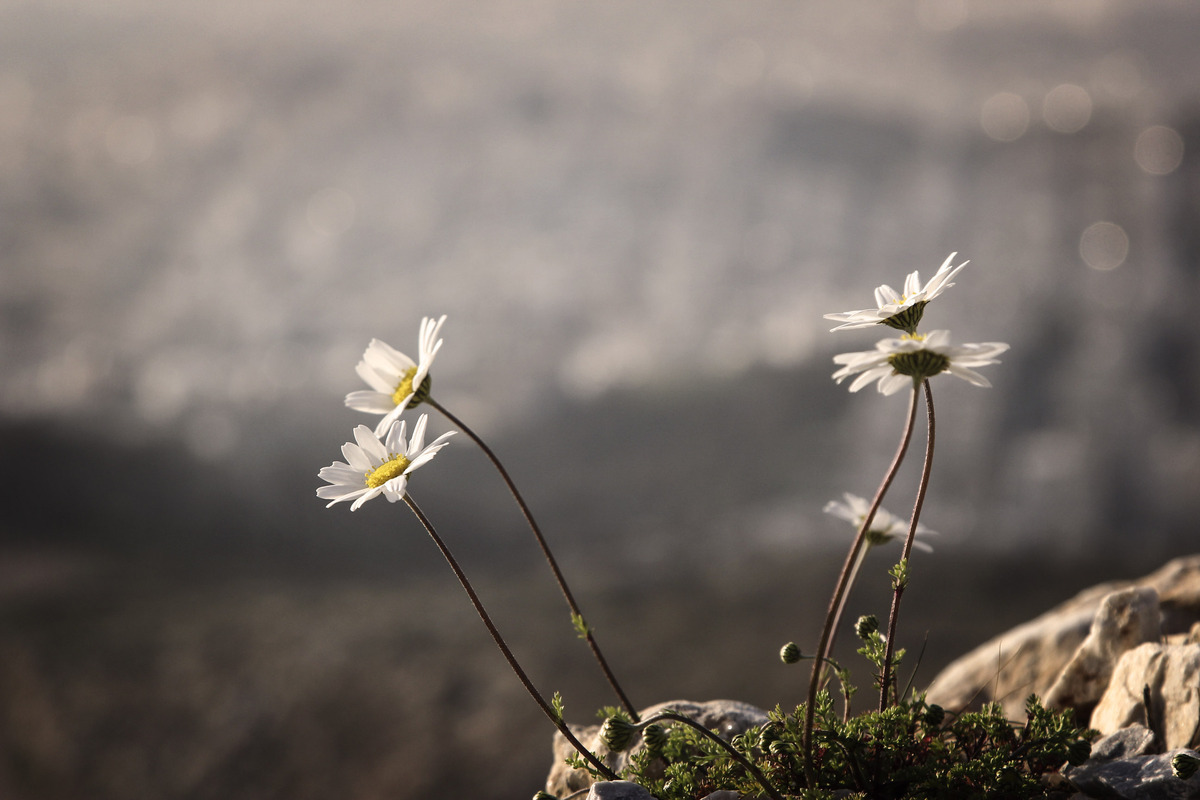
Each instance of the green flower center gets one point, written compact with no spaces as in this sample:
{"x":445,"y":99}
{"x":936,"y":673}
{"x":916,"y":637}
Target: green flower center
{"x":406,"y":388}
{"x":907,"y":319}
{"x":919,"y":364}
{"x":876,"y":537}
{"x":386,"y":471}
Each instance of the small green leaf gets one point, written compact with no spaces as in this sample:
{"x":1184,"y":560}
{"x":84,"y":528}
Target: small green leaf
{"x":556,"y":704}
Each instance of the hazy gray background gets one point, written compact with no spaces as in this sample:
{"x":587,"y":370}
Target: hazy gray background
{"x":634,"y":215}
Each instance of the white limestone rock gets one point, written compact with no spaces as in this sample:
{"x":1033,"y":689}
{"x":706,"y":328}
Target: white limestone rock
{"x":1168,"y":676}
{"x":1124,"y":620}
{"x":1029,"y":658}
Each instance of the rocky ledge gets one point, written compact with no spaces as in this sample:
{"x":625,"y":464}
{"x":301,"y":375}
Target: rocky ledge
{"x":1124,"y":655}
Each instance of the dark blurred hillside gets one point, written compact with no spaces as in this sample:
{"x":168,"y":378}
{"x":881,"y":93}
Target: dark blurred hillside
{"x":655,"y":469}
{"x":129,"y":683}
{"x":635,"y":216}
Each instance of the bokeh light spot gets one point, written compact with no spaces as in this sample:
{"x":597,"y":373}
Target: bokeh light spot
{"x":1067,"y":108}
{"x":1119,"y":76}
{"x":1158,"y":150}
{"x":1005,"y":117}
{"x":1104,"y":246}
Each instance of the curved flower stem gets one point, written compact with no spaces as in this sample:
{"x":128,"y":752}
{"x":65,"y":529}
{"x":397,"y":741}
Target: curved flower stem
{"x":837,"y":621}
{"x":885,"y":684}
{"x":835,"y":602}
{"x":576,"y":615}
{"x":837,"y":617}
{"x":499,"y":640}
{"x":734,"y":754}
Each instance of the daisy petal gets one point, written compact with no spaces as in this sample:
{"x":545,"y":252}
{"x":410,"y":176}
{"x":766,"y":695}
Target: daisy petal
{"x":372,"y":402}
{"x":369,"y":459}
{"x":969,"y":375}
{"x":385,"y":369}
{"x":898,"y":310}
{"x":894,"y":363}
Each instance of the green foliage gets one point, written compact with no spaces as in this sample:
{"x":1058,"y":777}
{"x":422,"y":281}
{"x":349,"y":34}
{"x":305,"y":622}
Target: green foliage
{"x":874,"y":647}
{"x":606,"y":712}
{"x":911,"y":750}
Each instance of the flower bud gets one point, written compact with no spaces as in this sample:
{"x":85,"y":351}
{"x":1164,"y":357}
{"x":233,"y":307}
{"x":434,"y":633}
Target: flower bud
{"x":934,"y":715}
{"x":1080,"y":751}
{"x":780,"y":747}
{"x":655,"y":737}
{"x":790,"y":653}
{"x":1184,"y":765}
{"x":768,"y":733}
{"x":617,"y":734}
{"x":866,"y":625}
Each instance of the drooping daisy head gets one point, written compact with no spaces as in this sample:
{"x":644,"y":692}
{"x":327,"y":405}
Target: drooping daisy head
{"x":397,"y":382}
{"x":884,"y":526}
{"x":373,"y":467}
{"x":896,"y":363}
{"x":901,"y":311}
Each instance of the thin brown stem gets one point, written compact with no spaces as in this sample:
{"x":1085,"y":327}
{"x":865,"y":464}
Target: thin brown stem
{"x":576,"y":615}
{"x":733,"y":753}
{"x":822,"y":653}
{"x":885,"y":684}
{"x":837,"y":617}
{"x":499,"y":640}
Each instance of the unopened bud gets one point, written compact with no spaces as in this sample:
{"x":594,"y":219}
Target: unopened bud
{"x":655,"y":737}
{"x":790,"y":653}
{"x":934,"y":715}
{"x":866,"y":625}
{"x":617,"y":734}
{"x":1184,"y":765}
{"x":780,"y":747}
{"x":1079,"y":751}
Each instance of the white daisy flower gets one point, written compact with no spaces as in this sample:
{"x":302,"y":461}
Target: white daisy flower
{"x":895,"y":363}
{"x":884,"y":526}
{"x":396,"y":380}
{"x":896,"y":310}
{"x":378,"y":467}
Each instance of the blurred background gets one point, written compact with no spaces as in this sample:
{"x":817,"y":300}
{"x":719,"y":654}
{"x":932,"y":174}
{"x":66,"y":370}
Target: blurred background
{"x":635,"y":216}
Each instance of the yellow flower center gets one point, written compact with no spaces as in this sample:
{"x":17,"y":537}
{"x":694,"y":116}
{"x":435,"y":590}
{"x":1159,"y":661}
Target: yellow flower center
{"x":386,"y":471}
{"x":405,"y":388}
